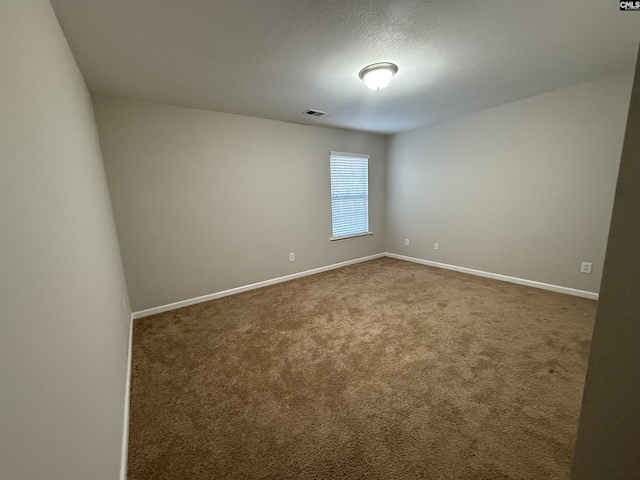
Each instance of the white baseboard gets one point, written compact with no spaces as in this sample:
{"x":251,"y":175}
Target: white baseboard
{"x":497,"y":276}
{"x":232,"y":291}
{"x":125,"y":427}
{"x":480,"y":273}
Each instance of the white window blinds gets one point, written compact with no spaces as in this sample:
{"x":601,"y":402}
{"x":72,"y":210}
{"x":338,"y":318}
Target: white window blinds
{"x":349,"y":194}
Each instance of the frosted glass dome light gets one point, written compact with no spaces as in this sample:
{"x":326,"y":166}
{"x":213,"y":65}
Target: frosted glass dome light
{"x":378,"y":75}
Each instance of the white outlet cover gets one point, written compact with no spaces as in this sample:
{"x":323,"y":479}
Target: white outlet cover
{"x":406,"y":241}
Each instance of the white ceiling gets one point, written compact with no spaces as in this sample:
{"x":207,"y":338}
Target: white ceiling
{"x":276,"y":58}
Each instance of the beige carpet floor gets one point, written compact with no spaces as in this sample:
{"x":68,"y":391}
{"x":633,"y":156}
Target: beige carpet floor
{"x":380,"y":370}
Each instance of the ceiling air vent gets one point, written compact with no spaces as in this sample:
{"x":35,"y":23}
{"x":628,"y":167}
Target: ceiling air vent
{"x":314,"y":113}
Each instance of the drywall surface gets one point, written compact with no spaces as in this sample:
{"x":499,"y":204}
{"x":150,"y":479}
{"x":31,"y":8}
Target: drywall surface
{"x":64,"y":327}
{"x":524,"y":189}
{"x":608,"y":442}
{"x":207,"y":201}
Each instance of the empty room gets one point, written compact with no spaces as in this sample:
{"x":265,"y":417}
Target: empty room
{"x":319,"y":239}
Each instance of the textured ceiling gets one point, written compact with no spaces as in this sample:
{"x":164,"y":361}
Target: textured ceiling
{"x":276,"y":58}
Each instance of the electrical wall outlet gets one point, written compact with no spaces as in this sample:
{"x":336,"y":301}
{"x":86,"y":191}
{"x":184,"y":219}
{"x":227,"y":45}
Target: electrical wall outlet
{"x":586,"y":267}
{"x":406,"y":241}
{"x":436,"y":246}
{"x":292,"y":256}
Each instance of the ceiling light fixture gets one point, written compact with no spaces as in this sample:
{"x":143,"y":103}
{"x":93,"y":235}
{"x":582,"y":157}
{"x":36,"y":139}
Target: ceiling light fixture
{"x":378,"y":75}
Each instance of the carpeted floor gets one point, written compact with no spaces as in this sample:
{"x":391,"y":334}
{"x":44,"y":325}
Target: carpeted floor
{"x":380,"y":370}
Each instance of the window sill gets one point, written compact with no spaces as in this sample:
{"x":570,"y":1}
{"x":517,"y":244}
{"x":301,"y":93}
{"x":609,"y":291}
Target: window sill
{"x":348,"y":237}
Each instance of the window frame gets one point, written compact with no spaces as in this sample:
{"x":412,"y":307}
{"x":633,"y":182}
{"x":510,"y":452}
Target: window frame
{"x":351,"y":156}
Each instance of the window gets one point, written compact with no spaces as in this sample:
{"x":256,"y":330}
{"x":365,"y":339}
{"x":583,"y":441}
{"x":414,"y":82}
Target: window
{"x":349,"y":195}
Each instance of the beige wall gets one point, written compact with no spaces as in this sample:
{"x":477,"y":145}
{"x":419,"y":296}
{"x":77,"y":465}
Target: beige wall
{"x":207,"y":201}
{"x":608,"y":443}
{"x":64,"y":328}
{"x":524,"y":189}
